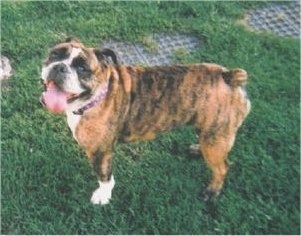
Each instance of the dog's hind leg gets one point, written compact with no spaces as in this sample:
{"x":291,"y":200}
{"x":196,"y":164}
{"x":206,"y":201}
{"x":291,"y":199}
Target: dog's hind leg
{"x":215,"y":153}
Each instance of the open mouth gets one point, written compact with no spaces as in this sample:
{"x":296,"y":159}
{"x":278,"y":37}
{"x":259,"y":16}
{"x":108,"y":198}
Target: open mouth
{"x":55,"y":99}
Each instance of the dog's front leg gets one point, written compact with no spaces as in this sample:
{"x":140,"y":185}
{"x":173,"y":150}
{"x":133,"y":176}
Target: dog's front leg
{"x":102,"y":164}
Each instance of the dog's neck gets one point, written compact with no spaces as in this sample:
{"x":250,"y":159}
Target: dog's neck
{"x":93,"y":101}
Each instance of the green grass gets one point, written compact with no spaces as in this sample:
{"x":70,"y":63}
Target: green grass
{"x":46,"y":182}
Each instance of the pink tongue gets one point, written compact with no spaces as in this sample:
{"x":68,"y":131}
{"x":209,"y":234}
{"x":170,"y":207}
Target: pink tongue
{"x":55,"y":100}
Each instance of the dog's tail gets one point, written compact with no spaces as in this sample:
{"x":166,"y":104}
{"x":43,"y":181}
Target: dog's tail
{"x":235,"y":77}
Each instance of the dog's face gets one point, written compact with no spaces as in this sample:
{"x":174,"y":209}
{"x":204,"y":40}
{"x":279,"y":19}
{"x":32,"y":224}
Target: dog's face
{"x":72,"y":71}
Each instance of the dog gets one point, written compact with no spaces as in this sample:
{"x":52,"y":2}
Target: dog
{"x":106,"y":102}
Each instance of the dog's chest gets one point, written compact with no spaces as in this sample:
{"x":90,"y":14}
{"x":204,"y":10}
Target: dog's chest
{"x":73,"y":121}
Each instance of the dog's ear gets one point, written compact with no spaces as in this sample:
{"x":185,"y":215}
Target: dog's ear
{"x":72,"y":39}
{"x":106,"y":54}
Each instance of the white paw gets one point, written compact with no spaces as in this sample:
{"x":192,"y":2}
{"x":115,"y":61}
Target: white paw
{"x":101,"y":197}
{"x":103,"y":194}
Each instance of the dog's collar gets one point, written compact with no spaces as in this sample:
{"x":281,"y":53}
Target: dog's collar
{"x":102,"y":94}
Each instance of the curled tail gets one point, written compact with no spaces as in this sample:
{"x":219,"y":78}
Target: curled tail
{"x":235,"y":77}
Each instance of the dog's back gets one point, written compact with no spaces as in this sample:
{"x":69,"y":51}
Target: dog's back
{"x":162,"y":98}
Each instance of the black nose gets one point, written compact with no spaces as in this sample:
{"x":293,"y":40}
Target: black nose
{"x":58,"y":74}
{"x":60,"y":68}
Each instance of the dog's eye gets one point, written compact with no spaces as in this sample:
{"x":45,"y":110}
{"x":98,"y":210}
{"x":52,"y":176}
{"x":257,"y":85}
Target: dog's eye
{"x":58,"y":54}
{"x":54,"y":56}
{"x":80,"y":65}
{"x":81,"y":68}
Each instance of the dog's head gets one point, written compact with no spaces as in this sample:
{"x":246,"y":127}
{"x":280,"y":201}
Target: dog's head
{"x":72,"y":72}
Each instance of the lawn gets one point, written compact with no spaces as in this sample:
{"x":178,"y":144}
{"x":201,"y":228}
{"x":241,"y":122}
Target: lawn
{"x":46,"y":182}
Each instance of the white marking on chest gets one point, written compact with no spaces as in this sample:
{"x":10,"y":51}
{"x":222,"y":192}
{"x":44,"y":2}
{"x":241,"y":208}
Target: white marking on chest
{"x":72,"y":121}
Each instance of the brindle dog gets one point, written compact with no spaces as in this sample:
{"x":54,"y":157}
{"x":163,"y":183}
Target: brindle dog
{"x":109,"y":102}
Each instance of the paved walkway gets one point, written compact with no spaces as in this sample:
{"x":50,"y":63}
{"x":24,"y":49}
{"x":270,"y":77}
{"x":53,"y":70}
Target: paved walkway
{"x":282,"y":19}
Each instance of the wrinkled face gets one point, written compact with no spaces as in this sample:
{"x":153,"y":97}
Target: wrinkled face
{"x":70,"y":68}
{"x":73,"y":72}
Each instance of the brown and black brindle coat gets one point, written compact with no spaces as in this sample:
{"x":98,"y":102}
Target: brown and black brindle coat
{"x":142,"y":102}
